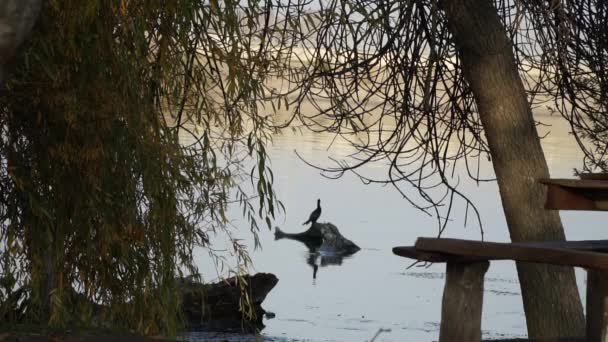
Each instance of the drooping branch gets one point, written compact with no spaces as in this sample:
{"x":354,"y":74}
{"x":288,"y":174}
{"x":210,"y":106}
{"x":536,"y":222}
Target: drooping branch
{"x":384,"y":76}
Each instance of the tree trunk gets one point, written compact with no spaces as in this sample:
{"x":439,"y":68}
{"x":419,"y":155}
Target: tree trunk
{"x":17,"y":17}
{"x":597,"y":306}
{"x":551,"y":300}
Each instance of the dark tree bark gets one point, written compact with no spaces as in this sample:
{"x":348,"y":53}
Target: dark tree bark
{"x":17,"y":17}
{"x":597,"y":305}
{"x":551,"y":300}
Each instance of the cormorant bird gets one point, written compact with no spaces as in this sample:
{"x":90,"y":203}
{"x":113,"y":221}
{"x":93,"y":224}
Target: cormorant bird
{"x":314,"y":216}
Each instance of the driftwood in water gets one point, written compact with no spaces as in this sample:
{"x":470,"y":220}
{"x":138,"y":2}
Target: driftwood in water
{"x":323,"y":236}
{"x":217,"y":306}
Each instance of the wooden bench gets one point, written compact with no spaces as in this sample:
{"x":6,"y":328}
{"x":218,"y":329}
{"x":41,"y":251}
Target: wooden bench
{"x":467,"y":262}
{"x":588,"y":193}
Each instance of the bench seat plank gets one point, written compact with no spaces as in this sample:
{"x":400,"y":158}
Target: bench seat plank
{"x":417,"y":254}
{"x":412,"y":253}
{"x":581,"y":254}
{"x":497,"y":251}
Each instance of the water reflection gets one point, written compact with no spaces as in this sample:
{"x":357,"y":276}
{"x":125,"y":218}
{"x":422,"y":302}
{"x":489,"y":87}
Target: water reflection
{"x":377,"y":218}
{"x":323,"y":249}
{"x":317,"y":258}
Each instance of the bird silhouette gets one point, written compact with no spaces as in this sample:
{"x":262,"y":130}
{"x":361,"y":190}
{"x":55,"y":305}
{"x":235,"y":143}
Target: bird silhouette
{"x":314,"y":216}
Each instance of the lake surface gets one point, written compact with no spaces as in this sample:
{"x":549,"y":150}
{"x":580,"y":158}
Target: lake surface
{"x":373,"y":289}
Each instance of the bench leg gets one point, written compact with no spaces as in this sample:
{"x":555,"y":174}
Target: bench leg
{"x":597,"y":305}
{"x":462,"y":302}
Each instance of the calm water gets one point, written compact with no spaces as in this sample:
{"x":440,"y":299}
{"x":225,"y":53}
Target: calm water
{"x":373,"y":289}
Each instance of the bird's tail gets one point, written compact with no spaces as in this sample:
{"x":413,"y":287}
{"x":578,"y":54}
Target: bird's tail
{"x":305,"y":223}
{"x":278,"y":233}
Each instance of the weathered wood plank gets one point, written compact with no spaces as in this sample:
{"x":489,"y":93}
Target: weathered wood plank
{"x":595,"y":184}
{"x":597,"y":305}
{"x":462,"y":302}
{"x":575,"y":194}
{"x":594,"y":175}
{"x":498,"y":251}
{"x":412,"y":253}
{"x":565,"y":198}
{"x":583,"y":245}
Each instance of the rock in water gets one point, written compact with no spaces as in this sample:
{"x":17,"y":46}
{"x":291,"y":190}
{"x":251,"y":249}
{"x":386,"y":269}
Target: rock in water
{"x":217,"y":306}
{"x":324,"y":236}
{"x":334,"y":241}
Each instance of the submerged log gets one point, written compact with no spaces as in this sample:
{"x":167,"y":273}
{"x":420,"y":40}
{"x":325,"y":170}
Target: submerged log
{"x":218,"y":306}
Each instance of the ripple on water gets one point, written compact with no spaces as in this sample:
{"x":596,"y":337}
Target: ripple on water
{"x":427,"y":327}
{"x":297,"y":320}
{"x":503,"y":292}
{"x":441,"y":275}
{"x":199,"y":336}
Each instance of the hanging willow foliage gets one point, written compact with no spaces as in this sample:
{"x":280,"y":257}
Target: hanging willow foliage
{"x":101,"y":201}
